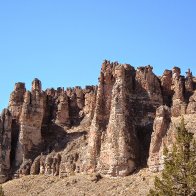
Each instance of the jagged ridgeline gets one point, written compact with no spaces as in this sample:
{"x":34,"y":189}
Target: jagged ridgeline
{"x":113,"y":128}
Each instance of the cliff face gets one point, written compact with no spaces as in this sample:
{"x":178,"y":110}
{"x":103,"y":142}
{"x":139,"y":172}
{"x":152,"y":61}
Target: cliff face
{"x":112,"y":129}
{"x":120,"y":132}
{"x":181,"y":90}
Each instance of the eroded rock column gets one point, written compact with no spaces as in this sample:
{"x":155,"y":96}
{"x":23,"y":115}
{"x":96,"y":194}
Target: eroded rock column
{"x":30,"y":122}
{"x":5,"y":144}
{"x":17,"y":99}
{"x":119,"y":145}
{"x":101,"y":115}
{"x":178,"y":86}
{"x":160,"y":128}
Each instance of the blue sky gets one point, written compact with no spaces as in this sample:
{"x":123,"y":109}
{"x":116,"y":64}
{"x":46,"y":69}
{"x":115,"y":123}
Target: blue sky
{"x":63,"y":42}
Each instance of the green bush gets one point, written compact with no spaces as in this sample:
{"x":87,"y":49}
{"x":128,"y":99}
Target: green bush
{"x":179,"y":174}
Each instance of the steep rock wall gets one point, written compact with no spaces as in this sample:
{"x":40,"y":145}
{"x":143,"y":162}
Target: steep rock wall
{"x":112,"y":128}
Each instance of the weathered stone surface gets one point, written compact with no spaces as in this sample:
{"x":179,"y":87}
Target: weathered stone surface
{"x":104,"y":129}
{"x":90,"y":93}
{"x":119,"y":145}
{"x":146,"y":98}
{"x":126,"y":103}
{"x":178,"y":86}
{"x":166,"y":84}
{"x":52,"y":165}
{"x":189,"y":81}
{"x":17,"y":99}
{"x":5,"y":144}
{"x":165,"y":135}
{"x":148,"y":85}
{"x":62,"y":114}
{"x":191,"y":108}
{"x":102,"y":113}
{"x":74,"y":155}
{"x":25,"y":167}
{"x":160,"y":128}
{"x":35,"y":167}
{"x":30,"y":122}
{"x":46,"y":164}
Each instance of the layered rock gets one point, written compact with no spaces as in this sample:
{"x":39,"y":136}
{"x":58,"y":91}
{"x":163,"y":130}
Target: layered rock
{"x":62,"y":114}
{"x":160,"y":128}
{"x":5,"y":144}
{"x":17,"y":99}
{"x":101,"y":116}
{"x":178,"y":86}
{"x":112,"y":129}
{"x":90,"y":93}
{"x":119,"y":149}
{"x":165,"y":135}
{"x":30,"y":122}
{"x":189,"y":85}
{"x":166,"y":84}
{"x":126,"y":105}
{"x":147,"y":97}
{"x":183,"y":103}
{"x":191,"y":108}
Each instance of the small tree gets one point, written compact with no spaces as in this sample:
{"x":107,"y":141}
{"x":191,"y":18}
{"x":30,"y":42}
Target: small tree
{"x":179,"y":173}
{"x":1,"y":191}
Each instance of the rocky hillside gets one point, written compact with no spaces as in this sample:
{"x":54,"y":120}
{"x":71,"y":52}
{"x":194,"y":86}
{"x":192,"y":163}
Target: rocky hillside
{"x":137,"y":184}
{"x":113,"y":129}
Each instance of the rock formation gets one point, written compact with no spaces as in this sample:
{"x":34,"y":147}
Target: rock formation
{"x":17,"y":99}
{"x":112,"y":129}
{"x":120,"y":132}
{"x":5,"y":144}
{"x":160,"y":127}
{"x":182,"y":103}
{"x":30,"y":122}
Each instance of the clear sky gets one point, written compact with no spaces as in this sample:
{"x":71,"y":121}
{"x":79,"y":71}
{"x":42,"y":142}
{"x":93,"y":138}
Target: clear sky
{"x":63,"y":42}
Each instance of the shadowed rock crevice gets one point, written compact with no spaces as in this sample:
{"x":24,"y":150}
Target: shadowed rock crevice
{"x":15,"y":135}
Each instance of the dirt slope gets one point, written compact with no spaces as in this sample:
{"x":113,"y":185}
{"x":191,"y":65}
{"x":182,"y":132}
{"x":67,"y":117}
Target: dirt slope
{"x":80,"y":185}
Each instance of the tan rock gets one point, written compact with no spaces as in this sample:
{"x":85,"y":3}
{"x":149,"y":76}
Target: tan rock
{"x":5,"y":144}
{"x":62,"y":114}
{"x":178,"y":86}
{"x":117,"y":117}
{"x":30,"y":122}
{"x":160,"y":128}
{"x":189,"y":81}
{"x":119,"y":145}
{"x":16,"y":100}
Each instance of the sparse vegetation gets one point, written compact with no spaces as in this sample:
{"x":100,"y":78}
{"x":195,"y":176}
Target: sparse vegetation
{"x":1,"y":191}
{"x":179,"y":174}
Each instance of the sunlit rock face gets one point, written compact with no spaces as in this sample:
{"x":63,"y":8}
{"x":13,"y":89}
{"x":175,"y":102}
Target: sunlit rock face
{"x":113,"y":128}
{"x":119,"y":136}
{"x":160,"y":127}
{"x":30,"y":122}
{"x":181,"y":92}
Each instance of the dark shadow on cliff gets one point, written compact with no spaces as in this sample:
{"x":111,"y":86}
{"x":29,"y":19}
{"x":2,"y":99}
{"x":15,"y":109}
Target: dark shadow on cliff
{"x":56,"y":138}
{"x":144,"y":137}
{"x":144,"y":107}
{"x":14,"y":141}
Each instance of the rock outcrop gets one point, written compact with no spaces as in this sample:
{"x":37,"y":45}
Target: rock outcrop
{"x":178,"y":99}
{"x":111,"y":129}
{"x":120,"y":132}
{"x":5,"y":144}
{"x":182,"y":104}
{"x":30,"y":122}
{"x":160,"y":128}
{"x":17,"y":99}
